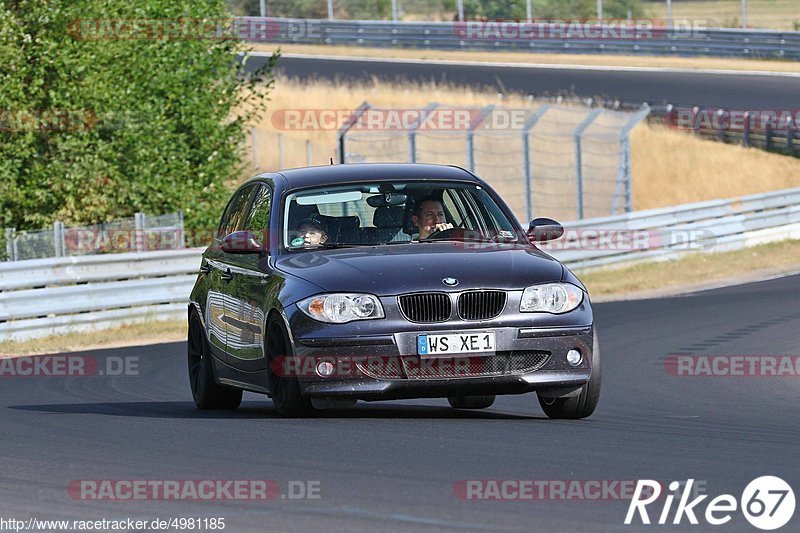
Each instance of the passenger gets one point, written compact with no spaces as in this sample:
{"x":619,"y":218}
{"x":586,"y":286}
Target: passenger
{"x":310,"y":232}
{"x":428,"y":216}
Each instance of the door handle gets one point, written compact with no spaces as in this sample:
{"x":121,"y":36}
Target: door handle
{"x":205,"y":268}
{"x":227,"y":275}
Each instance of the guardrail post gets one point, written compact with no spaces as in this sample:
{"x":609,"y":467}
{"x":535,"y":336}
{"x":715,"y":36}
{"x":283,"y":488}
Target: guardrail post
{"x":790,"y":137}
{"x":308,"y":153}
{"x":579,"y":157}
{"x":138,"y":224}
{"x":720,"y":126}
{"x":527,"y":161}
{"x":346,"y":127}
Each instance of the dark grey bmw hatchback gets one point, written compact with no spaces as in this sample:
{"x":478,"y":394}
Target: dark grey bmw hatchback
{"x":328,"y":285}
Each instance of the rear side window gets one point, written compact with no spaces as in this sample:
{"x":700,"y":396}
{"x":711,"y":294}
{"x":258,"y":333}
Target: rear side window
{"x":233,"y":217}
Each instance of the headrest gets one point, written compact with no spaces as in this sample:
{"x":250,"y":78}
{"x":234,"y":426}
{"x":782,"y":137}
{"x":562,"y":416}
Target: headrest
{"x":388,"y":217}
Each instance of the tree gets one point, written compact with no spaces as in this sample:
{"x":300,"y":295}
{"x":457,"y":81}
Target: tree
{"x":102,"y":118}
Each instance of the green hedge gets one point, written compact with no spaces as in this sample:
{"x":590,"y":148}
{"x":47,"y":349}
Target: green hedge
{"x":119,"y":124}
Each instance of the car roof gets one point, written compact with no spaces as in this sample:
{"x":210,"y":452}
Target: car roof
{"x":298,"y":178}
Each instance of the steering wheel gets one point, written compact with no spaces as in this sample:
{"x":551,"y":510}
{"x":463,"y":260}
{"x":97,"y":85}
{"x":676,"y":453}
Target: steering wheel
{"x":455,"y":231}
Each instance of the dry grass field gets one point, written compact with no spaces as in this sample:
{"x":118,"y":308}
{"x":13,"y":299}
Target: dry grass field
{"x":669,"y":167}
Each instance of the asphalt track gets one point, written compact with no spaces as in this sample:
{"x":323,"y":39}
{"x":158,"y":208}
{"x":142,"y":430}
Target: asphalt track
{"x":733,"y":91}
{"x":392,"y":466}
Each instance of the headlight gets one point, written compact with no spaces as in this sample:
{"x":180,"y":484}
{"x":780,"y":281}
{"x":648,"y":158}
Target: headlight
{"x":551,"y":298}
{"x":341,"y":308}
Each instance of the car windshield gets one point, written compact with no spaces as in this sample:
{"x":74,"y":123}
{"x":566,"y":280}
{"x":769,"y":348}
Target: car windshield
{"x":389,"y":213}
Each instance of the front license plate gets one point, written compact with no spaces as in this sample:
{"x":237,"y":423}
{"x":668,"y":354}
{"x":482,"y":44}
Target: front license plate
{"x":454,"y":343}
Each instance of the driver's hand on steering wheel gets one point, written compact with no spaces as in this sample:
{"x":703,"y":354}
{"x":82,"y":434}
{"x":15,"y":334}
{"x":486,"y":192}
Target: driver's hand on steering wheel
{"x":441,"y":227}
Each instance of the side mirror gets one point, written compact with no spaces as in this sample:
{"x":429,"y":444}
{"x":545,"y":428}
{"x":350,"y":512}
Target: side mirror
{"x":544,"y":229}
{"x":243,"y":242}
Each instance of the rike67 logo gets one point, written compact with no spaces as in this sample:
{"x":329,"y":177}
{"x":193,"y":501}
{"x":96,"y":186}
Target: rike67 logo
{"x":767,"y":503}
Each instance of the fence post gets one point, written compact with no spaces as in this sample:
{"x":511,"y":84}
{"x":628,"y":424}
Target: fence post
{"x":471,"y":135}
{"x":579,"y":157}
{"x":308,"y":153}
{"x":280,"y":151}
{"x":768,"y":136}
{"x":624,"y":176}
{"x":346,"y":127}
{"x":746,"y":133}
{"x":138,"y":224}
{"x":527,"y":161}
{"x":253,"y":145}
{"x":182,"y":240}
{"x":412,"y":132}
{"x":10,"y":244}
{"x":58,"y":238}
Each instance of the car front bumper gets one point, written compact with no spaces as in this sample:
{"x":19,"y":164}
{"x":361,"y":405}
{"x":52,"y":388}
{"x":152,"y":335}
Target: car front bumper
{"x":535,"y":360}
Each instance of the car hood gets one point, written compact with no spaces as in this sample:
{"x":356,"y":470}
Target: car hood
{"x":397,"y":269}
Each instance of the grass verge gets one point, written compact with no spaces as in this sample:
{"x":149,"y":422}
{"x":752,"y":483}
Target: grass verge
{"x":131,"y":335}
{"x":605,"y":60}
{"x":695,"y":271}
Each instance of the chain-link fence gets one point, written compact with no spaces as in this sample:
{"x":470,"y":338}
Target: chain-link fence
{"x":140,"y":233}
{"x":554,"y":160}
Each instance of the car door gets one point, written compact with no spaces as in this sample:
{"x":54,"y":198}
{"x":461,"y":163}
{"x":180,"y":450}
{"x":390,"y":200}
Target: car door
{"x":215,"y":272}
{"x":246,"y":294}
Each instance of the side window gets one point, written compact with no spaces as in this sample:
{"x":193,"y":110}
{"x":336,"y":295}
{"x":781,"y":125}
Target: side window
{"x":232,"y":219}
{"x":258,"y":219}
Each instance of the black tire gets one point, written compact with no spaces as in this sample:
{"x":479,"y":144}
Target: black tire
{"x":582,"y":405}
{"x":471,"y":402}
{"x":285,"y":390}
{"x":206,"y":392}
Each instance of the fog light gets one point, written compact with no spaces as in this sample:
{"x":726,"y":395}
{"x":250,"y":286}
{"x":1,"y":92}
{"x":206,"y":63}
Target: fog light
{"x":574,"y":357}
{"x":325,"y":369}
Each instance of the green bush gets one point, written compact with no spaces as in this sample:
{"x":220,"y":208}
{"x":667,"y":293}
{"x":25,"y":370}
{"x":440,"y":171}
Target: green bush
{"x":160,"y":121}
{"x":549,"y":9}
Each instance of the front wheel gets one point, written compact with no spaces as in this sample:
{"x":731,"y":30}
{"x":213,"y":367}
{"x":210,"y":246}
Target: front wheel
{"x":206,"y":392}
{"x":583,"y":404}
{"x":471,"y":402}
{"x":285,"y":390}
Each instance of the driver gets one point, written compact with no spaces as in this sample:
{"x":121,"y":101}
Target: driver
{"x":428,"y":216}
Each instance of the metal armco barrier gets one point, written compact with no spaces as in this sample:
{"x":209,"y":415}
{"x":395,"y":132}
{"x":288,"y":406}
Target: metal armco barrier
{"x":516,"y":36}
{"x":43,"y":297}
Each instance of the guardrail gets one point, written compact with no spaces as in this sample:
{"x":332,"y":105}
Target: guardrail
{"x":525,"y":36}
{"x":667,"y":233}
{"x":43,"y":297}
